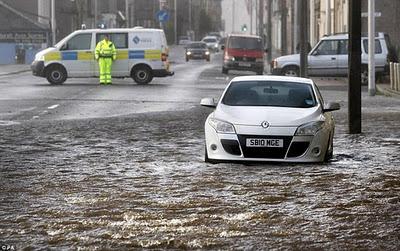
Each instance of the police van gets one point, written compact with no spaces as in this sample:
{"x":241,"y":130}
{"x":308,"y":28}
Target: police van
{"x":141,"y":54}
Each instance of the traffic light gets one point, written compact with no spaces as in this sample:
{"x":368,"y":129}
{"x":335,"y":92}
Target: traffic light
{"x":244,"y":27}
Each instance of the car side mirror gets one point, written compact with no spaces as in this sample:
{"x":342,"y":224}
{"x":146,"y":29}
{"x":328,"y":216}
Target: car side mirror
{"x":222,"y":47}
{"x":208,"y":102}
{"x":331,"y":106}
{"x":64,"y":47}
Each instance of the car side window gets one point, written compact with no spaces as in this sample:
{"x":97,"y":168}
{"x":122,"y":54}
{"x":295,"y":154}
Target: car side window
{"x":327,"y":47}
{"x":78,"y":42}
{"x":343,"y":47}
{"x":319,"y":96}
{"x":378,"y":47}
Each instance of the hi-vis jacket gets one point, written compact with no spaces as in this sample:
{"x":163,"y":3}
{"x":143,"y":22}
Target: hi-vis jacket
{"x":105,"y":49}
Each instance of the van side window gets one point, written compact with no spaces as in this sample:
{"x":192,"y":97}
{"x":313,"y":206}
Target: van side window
{"x":78,"y":42}
{"x":120,"y":40}
{"x":378,"y":47}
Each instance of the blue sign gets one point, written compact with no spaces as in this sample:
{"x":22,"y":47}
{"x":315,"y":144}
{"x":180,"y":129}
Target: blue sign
{"x":162,"y":16}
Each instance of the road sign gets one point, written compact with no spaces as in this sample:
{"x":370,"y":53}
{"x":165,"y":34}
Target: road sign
{"x":162,"y":16}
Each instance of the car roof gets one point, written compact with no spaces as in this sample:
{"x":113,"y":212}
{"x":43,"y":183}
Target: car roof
{"x":346,"y":36}
{"x":243,"y":35}
{"x":112,"y":30}
{"x":273,"y":78}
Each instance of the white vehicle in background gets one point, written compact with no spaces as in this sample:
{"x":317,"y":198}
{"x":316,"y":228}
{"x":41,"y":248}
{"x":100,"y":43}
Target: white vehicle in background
{"x":329,"y":57}
{"x":141,"y":54}
{"x":270,"y":118}
{"x":184,"y":40}
{"x":212,"y":43}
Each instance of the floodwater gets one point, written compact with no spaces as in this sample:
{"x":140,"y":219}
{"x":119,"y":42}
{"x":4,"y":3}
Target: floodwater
{"x":140,"y":182}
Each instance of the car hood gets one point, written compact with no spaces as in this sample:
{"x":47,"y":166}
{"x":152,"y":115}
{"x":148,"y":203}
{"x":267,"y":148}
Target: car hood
{"x":275,"y":116}
{"x":44,"y":52}
{"x":289,"y":58}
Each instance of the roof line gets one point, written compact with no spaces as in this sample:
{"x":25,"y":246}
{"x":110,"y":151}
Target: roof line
{"x":41,"y":26}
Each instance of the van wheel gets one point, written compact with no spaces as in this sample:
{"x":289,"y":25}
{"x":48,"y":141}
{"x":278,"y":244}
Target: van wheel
{"x":224,"y":70}
{"x":142,"y":75}
{"x":291,"y":71}
{"x":56,"y":75}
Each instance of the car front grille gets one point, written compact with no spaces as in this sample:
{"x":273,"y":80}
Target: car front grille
{"x":265,"y":152}
{"x":297,"y":149}
{"x":231,"y":146}
{"x":245,"y":59}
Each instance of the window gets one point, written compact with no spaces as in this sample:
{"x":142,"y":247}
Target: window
{"x":78,"y":42}
{"x":378,"y":47}
{"x":269,"y":93}
{"x":327,"y":47}
{"x":343,"y":47}
{"x":120,"y":40}
{"x":249,"y":43}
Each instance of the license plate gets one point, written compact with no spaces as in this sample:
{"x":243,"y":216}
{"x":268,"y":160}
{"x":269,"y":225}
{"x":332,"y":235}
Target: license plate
{"x":244,"y":64}
{"x":264,"y":142}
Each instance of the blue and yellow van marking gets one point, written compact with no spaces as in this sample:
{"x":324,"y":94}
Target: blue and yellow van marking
{"x":121,"y":55}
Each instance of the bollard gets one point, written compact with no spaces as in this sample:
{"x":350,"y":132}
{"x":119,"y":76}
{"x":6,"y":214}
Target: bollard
{"x":391,"y":73}
{"x":397,"y":88}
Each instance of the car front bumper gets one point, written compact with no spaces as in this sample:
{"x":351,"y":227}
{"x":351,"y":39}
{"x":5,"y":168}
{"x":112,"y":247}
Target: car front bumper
{"x":37,"y":68}
{"x":244,"y":66}
{"x":232,"y":147}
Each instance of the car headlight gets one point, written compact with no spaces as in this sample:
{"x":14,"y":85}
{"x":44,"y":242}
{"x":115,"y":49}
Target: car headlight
{"x":274,"y":64}
{"x":309,"y":129}
{"x":207,"y":53}
{"x":229,"y":58}
{"x":221,"y":126}
{"x":216,"y":45}
{"x":188,"y":53}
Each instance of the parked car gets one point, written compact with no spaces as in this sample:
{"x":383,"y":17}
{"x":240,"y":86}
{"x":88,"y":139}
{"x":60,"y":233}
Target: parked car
{"x":197,"y":50}
{"x":270,"y":118}
{"x":184,"y":40}
{"x":329,"y":57}
{"x":141,"y":54}
{"x":212,"y":43}
{"x":243,"y":52}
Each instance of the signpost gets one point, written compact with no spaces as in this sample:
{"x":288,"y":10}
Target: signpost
{"x":162,"y":16}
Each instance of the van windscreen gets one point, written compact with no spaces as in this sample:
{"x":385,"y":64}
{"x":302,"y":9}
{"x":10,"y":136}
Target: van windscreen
{"x":248,"y":43}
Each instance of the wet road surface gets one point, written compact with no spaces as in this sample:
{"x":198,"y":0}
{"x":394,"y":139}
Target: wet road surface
{"x":138,"y":180}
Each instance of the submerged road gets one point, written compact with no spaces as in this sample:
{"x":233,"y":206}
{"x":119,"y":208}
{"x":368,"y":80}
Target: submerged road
{"x":84,"y":166}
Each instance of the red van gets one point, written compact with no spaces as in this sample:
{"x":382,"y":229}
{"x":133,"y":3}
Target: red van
{"x":243,"y":53}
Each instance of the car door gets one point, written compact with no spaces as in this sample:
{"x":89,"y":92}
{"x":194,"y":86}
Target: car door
{"x":322,"y":61}
{"x":77,"y":56}
{"x":120,"y":67}
{"x":343,"y":58}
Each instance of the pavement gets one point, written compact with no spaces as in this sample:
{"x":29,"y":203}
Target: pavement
{"x":9,"y":69}
{"x":382,"y":88}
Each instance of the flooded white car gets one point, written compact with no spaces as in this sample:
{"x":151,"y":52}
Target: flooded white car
{"x":269,"y":118}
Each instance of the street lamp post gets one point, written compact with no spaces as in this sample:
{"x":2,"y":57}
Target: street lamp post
{"x":53,"y":21}
{"x":371,"y":48}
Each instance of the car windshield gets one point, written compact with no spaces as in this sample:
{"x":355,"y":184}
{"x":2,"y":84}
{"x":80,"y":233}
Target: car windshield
{"x":210,"y":40}
{"x":249,"y":43}
{"x":269,"y":93}
{"x":197,"y":46}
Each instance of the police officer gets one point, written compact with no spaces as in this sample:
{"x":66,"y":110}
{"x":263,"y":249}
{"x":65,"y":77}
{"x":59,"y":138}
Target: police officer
{"x":105,"y":53}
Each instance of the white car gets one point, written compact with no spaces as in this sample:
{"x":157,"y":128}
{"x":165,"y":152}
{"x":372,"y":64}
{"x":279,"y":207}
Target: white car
{"x":212,"y":43}
{"x":329,"y":57}
{"x":270,"y":118}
